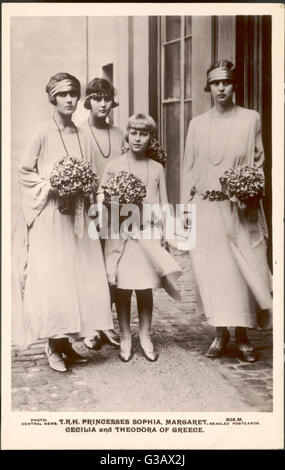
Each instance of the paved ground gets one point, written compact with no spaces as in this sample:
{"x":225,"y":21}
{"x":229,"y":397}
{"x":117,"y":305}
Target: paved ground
{"x":182,"y":379}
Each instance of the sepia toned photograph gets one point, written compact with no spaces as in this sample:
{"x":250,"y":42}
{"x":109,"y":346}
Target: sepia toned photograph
{"x":141,"y":242}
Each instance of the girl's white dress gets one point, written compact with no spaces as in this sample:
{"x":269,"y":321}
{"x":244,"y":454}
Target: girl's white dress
{"x":229,"y":258}
{"x":137,"y":264}
{"x":60,"y":284}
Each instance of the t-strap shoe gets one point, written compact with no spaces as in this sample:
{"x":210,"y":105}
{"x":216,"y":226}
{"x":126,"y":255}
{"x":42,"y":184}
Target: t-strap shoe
{"x":147,"y":347}
{"x":55,"y":360}
{"x":125,"y":353}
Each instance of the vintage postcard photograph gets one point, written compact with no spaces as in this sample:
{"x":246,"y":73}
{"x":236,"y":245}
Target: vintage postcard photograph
{"x":142,"y":233}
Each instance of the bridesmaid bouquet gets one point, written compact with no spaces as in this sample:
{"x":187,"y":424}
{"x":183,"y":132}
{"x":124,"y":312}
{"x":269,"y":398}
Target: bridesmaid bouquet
{"x":125,"y":188}
{"x":244,"y":185}
{"x":72,"y":177}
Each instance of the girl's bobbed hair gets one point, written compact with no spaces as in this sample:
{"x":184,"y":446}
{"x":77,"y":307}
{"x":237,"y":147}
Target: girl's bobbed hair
{"x":142,"y":122}
{"x":100,"y":87}
{"x":54,"y":83}
{"x":220,"y":70}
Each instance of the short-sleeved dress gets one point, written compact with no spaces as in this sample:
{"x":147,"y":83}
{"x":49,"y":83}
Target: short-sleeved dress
{"x":138,"y":264}
{"x":229,"y":257}
{"x":65,"y":289}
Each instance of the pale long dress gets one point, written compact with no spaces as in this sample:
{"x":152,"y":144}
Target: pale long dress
{"x":66,"y":289}
{"x":140,"y":264}
{"x":224,"y":236}
{"x":91,"y":147}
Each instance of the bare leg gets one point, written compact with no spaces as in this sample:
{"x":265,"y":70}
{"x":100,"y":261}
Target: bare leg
{"x":123,"y":307}
{"x":145,"y":305}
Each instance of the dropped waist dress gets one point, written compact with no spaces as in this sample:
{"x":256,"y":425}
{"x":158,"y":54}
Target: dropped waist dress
{"x":64,"y":288}
{"x":229,"y":258}
{"x":138,"y":264}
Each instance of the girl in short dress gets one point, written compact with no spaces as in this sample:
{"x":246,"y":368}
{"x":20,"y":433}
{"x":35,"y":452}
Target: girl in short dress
{"x":142,"y":264}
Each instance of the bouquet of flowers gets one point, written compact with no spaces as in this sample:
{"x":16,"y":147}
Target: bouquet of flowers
{"x":156,"y":152}
{"x":242,"y":184}
{"x":72,"y":177}
{"x":125,"y":187}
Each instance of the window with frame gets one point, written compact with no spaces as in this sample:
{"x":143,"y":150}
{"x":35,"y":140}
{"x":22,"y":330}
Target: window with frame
{"x":176,"y":94}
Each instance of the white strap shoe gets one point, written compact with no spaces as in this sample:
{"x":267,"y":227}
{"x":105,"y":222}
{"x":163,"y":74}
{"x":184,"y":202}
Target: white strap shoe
{"x":55,"y":360}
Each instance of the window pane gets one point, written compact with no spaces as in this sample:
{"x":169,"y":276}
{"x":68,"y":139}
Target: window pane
{"x":187,"y":68}
{"x":172,"y":27}
{"x":187,"y":116}
{"x":172,"y":71}
{"x":171,"y":119}
{"x":188,"y":25}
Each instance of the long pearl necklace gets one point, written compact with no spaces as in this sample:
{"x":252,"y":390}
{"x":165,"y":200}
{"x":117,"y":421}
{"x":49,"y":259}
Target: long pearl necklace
{"x":147,"y":169}
{"x":217,"y":162}
{"x":109,"y":139}
{"x":63,"y":143}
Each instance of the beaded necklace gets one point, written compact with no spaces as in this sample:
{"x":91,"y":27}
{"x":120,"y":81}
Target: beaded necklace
{"x":63,"y":143}
{"x":109,"y":139}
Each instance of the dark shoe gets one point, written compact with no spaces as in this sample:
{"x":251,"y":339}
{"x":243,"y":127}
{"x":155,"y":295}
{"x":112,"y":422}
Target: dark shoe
{"x":147,"y":348}
{"x":72,"y":356}
{"x":110,"y":337}
{"x":218,"y":346}
{"x":55,"y":360}
{"x":247,"y":352}
{"x":125,"y":353}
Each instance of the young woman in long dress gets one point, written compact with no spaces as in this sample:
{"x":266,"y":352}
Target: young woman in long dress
{"x":229,"y":258}
{"x":139,"y":264}
{"x":102,"y":142}
{"x":66,"y":294}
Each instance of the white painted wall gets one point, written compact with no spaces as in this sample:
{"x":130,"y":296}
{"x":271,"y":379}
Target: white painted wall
{"x":141,"y":64}
{"x":121,"y":70}
{"x":40,"y":47}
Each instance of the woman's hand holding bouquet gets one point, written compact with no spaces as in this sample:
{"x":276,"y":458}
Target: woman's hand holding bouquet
{"x":123,"y":188}
{"x":71,"y":178}
{"x":243,"y":185}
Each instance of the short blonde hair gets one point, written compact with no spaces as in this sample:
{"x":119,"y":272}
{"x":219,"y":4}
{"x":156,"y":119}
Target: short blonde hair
{"x":142,"y":122}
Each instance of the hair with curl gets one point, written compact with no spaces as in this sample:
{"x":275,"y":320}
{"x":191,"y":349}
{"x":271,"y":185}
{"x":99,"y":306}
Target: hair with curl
{"x":99,"y":85}
{"x":58,"y":77}
{"x":220,"y":63}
